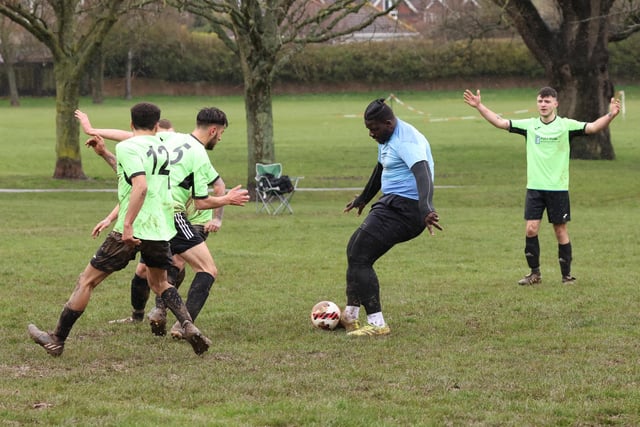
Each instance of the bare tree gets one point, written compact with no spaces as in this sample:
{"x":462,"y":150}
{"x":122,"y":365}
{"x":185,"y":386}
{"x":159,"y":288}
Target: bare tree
{"x":72,"y":30}
{"x":264,"y":35}
{"x":569,"y":38}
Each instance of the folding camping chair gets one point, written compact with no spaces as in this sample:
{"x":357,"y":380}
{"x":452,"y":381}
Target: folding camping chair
{"x":273,"y":189}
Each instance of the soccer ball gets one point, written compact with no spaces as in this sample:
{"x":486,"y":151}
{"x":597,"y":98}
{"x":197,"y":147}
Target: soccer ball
{"x":325,"y":315}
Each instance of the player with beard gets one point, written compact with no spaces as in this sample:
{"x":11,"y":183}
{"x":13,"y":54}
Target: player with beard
{"x":143,"y":223}
{"x":191,"y":175}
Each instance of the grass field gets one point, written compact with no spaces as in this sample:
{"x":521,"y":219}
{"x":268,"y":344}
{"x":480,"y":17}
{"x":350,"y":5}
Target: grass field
{"x":468,"y":346}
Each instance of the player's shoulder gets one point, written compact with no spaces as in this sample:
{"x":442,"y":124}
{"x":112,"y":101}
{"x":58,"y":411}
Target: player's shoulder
{"x":525,"y":121}
{"x":137,"y":141}
{"x":569,"y":120}
{"x":172,"y":137}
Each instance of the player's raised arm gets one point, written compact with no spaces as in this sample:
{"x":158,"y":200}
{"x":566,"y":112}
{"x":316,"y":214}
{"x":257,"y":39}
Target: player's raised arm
{"x":603,"y":122}
{"x":475,"y":101}
{"x":112,"y":134}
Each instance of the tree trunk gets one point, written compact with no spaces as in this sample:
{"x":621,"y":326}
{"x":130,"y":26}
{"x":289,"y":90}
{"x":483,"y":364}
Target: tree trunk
{"x":586,"y":98}
{"x":97,"y":77}
{"x":259,"y":115}
{"x":68,"y":161}
{"x":7,"y":51}
{"x":14,"y":97}
{"x":581,"y":77}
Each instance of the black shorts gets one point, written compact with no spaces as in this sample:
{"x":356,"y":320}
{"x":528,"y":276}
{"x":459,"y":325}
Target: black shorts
{"x":200,"y":230}
{"x":186,"y":237}
{"x":114,"y":254}
{"x":555,"y":202}
{"x":394,"y":219}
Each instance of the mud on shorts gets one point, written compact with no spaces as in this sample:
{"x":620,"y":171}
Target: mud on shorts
{"x":555,"y":202}
{"x":114,"y":254}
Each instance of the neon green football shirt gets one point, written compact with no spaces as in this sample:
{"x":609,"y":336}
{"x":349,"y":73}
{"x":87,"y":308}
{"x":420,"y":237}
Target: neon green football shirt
{"x":548,"y":150}
{"x":144,"y":155}
{"x":190,"y":168}
{"x":197,"y":216}
{"x":201,"y":217}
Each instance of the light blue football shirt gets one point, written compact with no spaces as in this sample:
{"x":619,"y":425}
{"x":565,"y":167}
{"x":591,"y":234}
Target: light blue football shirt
{"x":405,"y":148}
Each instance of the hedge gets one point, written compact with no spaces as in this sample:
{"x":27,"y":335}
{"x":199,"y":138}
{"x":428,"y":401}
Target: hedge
{"x":189,"y":58}
{"x":193,"y":57}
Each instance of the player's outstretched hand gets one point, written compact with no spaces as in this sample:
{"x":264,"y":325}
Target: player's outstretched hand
{"x":355,"y":203}
{"x":237,"y":196}
{"x":614,"y":107}
{"x":432,"y":220}
{"x":471,"y":99}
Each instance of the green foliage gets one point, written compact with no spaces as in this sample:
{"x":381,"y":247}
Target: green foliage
{"x":468,"y":346}
{"x":169,"y":51}
{"x":187,"y":57}
{"x":176,"y":55}
{"x":625,"y":62}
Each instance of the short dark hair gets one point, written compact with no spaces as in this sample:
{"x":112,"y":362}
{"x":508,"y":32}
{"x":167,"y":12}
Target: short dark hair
{"x":145,"y":116}
{"x":165,"y":124}
{"x":378,"y":111}
{"x":548,"y":91}
{"x":211,"y":116}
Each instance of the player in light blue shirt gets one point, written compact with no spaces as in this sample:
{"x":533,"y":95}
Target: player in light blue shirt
{"x":406,"y":146}
{"x":404,"y":173}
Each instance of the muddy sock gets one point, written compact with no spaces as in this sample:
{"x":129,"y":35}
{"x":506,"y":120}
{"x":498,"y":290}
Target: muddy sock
{"x":67,"y":318}
{"x":173,"y":302}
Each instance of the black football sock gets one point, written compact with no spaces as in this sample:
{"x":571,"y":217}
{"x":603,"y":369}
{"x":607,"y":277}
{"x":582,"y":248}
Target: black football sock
{"x":67,"y":318}
{"x":139,"y":296}
{"x":173,"y":302}
{"x":172,"y":276}
{"x":532,"y":253}
{"x":198,"y":293}
{"x":369,"y":290}
{"x":180,"y":278}
{"x":160,"y":304}
{"x":564,"y":258}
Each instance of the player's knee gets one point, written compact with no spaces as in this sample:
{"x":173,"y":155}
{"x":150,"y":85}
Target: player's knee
{"x":532,"y":230}
{"x":141,"y":270}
